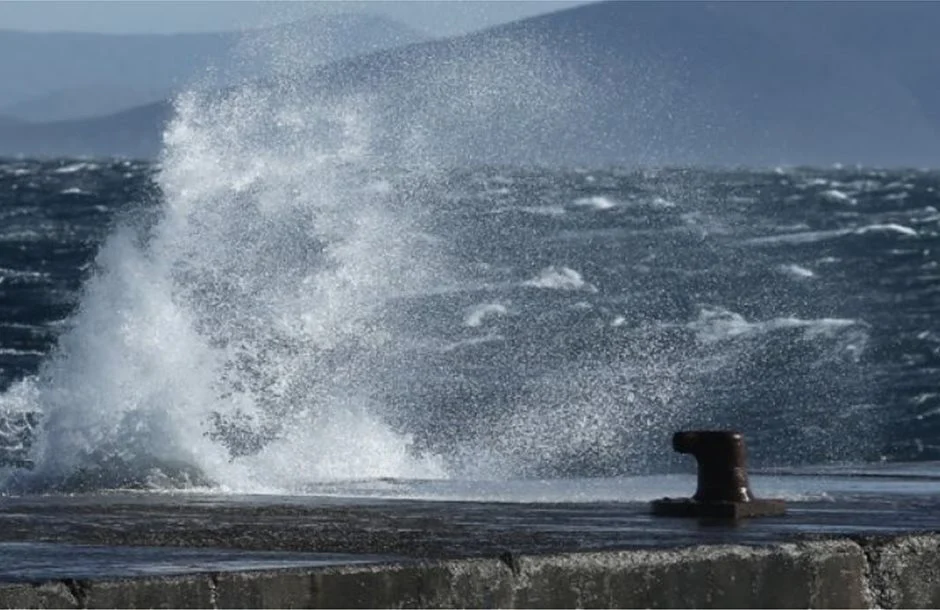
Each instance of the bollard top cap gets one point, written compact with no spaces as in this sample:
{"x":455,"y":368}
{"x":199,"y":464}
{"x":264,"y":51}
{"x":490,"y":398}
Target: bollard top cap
{"x":692,"y":441}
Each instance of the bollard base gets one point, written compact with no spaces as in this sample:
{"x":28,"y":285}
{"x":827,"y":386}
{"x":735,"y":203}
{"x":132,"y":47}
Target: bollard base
{"x":687,"y":507}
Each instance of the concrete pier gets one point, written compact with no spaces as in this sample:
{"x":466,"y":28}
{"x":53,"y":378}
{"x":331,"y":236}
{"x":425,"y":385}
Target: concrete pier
{"x":891,"y":573}
{"x":868,"y":550}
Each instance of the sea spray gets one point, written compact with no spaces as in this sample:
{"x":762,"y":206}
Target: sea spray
{"x":296,"y":310}
{"x":247,"y":335}
{"x":230,"y":343}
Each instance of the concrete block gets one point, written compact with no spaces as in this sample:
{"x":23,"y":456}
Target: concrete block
{"x":812,"y":574}
{"x":905,"y":571}
{"x":189,"y":591}
{"x":469,"y":583}
{"x":44,"y":595}
{"x":818,"y":574}
{"x":788,"y":575}
{"x":269,"y":589}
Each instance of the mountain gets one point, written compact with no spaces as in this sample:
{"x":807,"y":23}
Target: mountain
{"x":51,"y":76}
{"x":133,"y":133}
{"x":725,"y":83}
{"x":86,"y":101}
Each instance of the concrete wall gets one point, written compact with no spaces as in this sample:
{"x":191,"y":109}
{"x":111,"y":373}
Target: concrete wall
{"x":888,"y":572}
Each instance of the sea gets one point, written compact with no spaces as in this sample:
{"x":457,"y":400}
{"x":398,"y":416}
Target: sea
{"x":259,"y":312}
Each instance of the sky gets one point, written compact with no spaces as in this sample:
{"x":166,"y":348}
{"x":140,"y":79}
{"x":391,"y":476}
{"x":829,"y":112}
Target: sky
{"x":443,"y":17}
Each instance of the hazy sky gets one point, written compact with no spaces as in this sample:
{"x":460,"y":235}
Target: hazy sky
{"x":165,"y":16}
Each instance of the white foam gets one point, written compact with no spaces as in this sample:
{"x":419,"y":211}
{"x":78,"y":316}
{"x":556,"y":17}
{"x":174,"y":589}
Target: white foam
{"x":5,"y":351}
{"x":887,"y":228}
{"x":559,"y":278}
{"x":716,"y":324}
{"x":801,"y":237}
{"x":19,"y":234}
{"x":75,"y":167}
{"x":478,"y":314}
{"x":836,"y":196}
{"x":596,"y":202}
{"x":661,"y":203}
{"x":797,"y":271}
{"x":237,"y":344}
{"x":22,"y":274}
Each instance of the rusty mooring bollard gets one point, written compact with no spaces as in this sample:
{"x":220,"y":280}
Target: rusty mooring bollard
{"x":723,"y":489}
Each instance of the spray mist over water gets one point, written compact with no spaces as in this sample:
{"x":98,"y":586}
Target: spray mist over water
{"x":232,"y":342}
{"x":288,"y":316}
{"x":237,"y":340}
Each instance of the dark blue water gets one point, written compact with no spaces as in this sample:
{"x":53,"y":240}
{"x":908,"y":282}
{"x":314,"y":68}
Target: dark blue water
{"x":573,"y":319}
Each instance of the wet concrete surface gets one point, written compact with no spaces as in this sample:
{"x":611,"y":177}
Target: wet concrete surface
{"x":44,"y":561}
{"x":370,"y":528}
{"x":849,"y":539}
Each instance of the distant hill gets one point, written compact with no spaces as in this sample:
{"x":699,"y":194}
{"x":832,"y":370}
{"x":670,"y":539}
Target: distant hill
{"x":51,"y":76}
{"x":90,"y":100}
{"x":635,"y":83}
{"x":133,"y":133}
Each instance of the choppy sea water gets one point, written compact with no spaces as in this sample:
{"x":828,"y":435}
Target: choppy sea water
{"x":163,"y":329}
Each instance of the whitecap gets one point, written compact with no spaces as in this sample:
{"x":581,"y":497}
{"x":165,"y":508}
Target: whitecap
{"x":74,"y":167}
{"x":836,"y":196}
{"x":719,"y":324}
{"x":477,"y":315}
{"x":559,"y":278}
{"x":796,"y":271}
{"x":17,"y":234}
{"x":889,"y":227}
{"x":9,"y":351}
{"x":803,"y":237}
{"x":596,"y":202}
{"x":8,"y":273}
{"x":659,"y":202}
